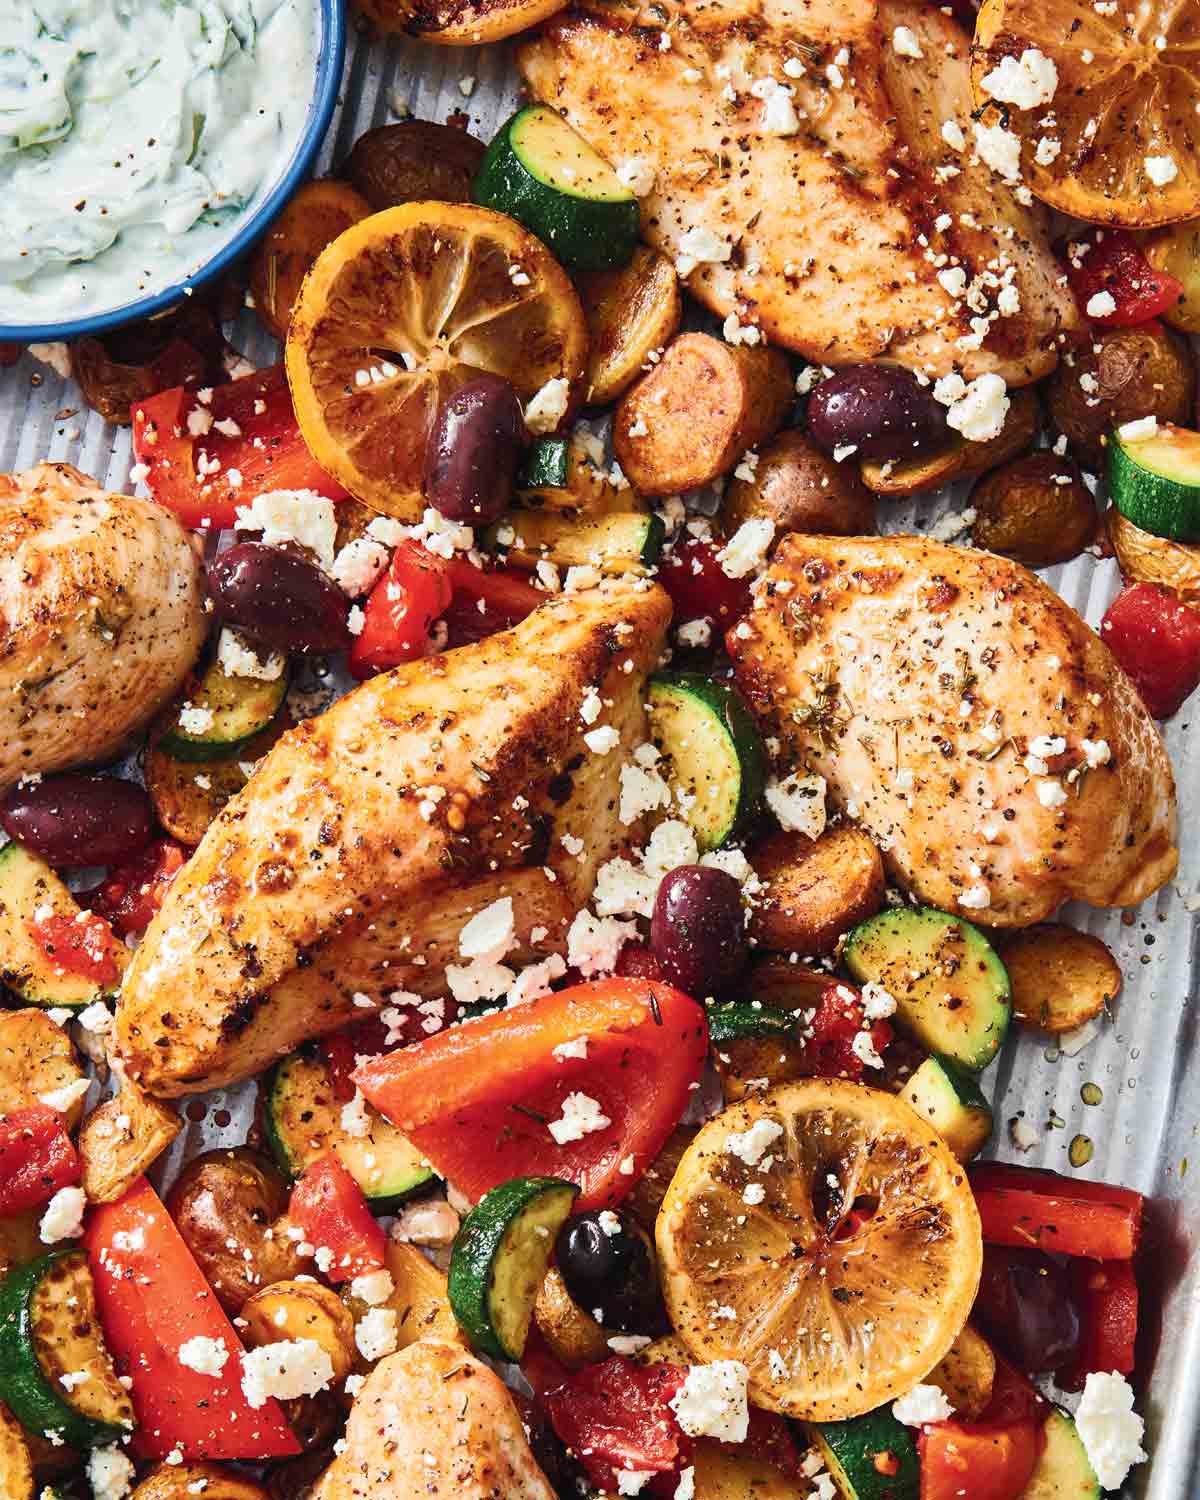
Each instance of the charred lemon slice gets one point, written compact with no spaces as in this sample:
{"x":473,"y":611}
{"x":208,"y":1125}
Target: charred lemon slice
{"x":399,"y":311}
{"x":824,"y":1235}
{"x":1113,"y":138}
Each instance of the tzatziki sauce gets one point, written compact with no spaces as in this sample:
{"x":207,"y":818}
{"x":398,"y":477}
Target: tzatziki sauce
{"x":135,"y":136}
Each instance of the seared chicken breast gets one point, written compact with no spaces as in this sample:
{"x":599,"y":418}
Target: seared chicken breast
{"x":433,"y":1421}
{"x":834,"y":236}
{"x":368,"y":837}
{"x":101,"y":618}
{"x":967,"y":718}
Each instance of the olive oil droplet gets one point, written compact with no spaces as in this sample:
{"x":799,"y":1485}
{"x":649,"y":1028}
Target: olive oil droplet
{"x":1091,"y":1093}
{"x":1080,"y":1151}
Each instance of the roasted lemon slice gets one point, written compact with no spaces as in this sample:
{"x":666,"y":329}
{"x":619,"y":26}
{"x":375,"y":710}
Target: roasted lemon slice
{"x":400,"y":310}
{"x":824,"y":1235}
{"x":1118,"y":139}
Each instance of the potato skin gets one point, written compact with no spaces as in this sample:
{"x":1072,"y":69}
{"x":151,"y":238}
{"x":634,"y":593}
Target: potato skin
{"x":413,"y":161}
{"x":800,"y":488}
{"x":179,"y":1481}
{"x":816,"y":889}
{"x":315,"y":217}
{"x":1139,"y":372}
{"x":235,"y":1196}
{"x":1023,"y":512}
{"x":1145,"y":558}
{"x":121,"y":1139}
{"x":1060,"y":977}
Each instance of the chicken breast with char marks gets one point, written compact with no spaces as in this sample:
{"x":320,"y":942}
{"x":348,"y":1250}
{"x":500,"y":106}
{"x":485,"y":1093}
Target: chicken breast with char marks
{"x":101,"y":618}
{"x":347,"y":867}
{"x":799,"y":163}
{"x":967,"y":718}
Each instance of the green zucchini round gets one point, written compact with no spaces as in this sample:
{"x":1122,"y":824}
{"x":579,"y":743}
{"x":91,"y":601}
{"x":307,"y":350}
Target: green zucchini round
{"x":1155,"y":481}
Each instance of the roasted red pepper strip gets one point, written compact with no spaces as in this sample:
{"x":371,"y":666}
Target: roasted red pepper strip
{"x":130,"y":895}
{"x":991,"y":1459}
{"x":1113,"y":263}
{"x":700,"y":588}
{"x":36,"y":1158}
{"x":1155,"y":637}
{"x":328,"y":1205}
{"x":829,"y":1045}
{"x":152,"y":1299}
{"x":1106,"y":1295}
{"x":413,"y":593}
{"x":80,"y":945}
{"x":479,"y":1099}
{"x":1024,"y":1206}
{"x":487,"y":600}
{"x":262,"y":447}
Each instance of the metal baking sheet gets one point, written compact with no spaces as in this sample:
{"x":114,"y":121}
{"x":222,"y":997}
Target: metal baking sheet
{"x":1144,"y":1056}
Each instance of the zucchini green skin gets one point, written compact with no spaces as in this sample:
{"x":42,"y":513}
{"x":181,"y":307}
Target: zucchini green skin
{"x":26,"y":882}
{"x":499,"y":1260}
{"x":952,"y":1102}
{"x":898,"y":942}
{"x":734,"y":1020}
{"x":621,"y":539}
{"x":24,"y":1387}
{"x":737,"y":744}
{"x":585,"y":234}
{"x":242,"y":707}
{"x":850,"y":1450}
{"x":546,"y":466}
{"x":1164,"y":503}
{"x":1064,"y":1471}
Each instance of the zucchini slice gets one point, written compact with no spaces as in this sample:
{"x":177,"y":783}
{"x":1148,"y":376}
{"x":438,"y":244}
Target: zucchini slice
{"x":37,"y":1057}
{"x":49,"y":1330}
{"x":619,"y":542}
{"x":952,"y":1103}
{"x":220,"y":713}
{"x":303,"y":1122}
{"x":713,"y":750}
{"x":27,"y":885}
{"x":188,"y":796}
{"x":1064,"y":1471}
{"x":542,"y":173}
{"x":952,"y":992}
{"x":500,"y":1257}
{"x":872,"y":1457}
{"x":1155,"y":481}
{"x":559,"y":475}
{"x":735,"y":1020}
{"x":16,"y":1466}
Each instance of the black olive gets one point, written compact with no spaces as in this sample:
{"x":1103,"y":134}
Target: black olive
{"x":608,"y":1265}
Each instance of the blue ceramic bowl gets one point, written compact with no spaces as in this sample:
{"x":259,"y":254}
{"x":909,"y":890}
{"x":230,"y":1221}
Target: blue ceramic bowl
{"x":331,"y":48}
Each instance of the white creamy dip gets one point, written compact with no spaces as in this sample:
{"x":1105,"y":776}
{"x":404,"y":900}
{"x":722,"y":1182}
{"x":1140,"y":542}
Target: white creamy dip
{"x":134,"y":136}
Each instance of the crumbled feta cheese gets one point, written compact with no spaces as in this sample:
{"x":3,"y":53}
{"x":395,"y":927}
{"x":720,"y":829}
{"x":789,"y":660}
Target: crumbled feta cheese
{"x":622,"y":890}
{"x":1101,"y":304}
{"x":1143,"y":427}
{"x":1161,"y":170}
{"x":593,"y":944}
{"x":548,"y":406}
{"x":798,"y":803}
{"x":110,"y":1473}
{"x":877,"y":1003}
{"x":1051,"y":793}
{"x":672,"y":844}
{"x":204,"y":1355}
{"x":977,"y":410}
{"x":238,"y":659}
{"x":863,"y":1048}
{"x":63,"y":1098}
{"x":686,"y":1488}
{"x":976,"y":897}
{"x":712,"y":1401}
{"x":695,"y":633}
{"x":779,"y":115}
{"x":1000,"y":149}
{"x":952,"y":134}
{"x":750,"y":1146}
{"x":300,"y":516}
{"x":373,"y":1287}
{"x":754,"y":1193}
{"x":193,"y":720}
{"x":358,"y":565}
{"x":600,"y":741}
{"x":637,"y":174}
{"x":490,"y":933}
{"x":432,"y":1222}
{"x":576,"y":1048}
{"x":746,"y":550}
{"x":63,"y":1219}
{"x":1047,"y":151}
{"x":905,"y":43}
{"x":924,"y":1403}
{"x":581,"y":1115}
{"x":1109,"y":1428}
{"x":698,"y":246}
{"x":375,"y":1333}
{"x":355,"y":1120}
{"x":1022,"y":1134}
{"x":1026,"y":81}
{"x":292,"y":1367}
{"x":643,"y":790}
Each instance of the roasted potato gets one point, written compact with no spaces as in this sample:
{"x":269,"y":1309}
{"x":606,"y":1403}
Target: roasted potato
{"x":230,"y":1202}
{"x":36,"y":1059}
{"x":815,"y":889}
{"x":1035,"y":509}
{"x":16,"y":1466}
{"x":188,"y":795}
{"x":1120,"y":374}
{"x":458,"y":23}
{"x":961,"y":459}
{"x":318,"y":213}
{"x":118,"y":369}
{"x":1060,"y":977}
{"x":966,"y":1374}
{"x":187,"y":1480}
{"x":698,"y":410}
{"x":418,"y":1299}
{"x":413,"y":161}
{"x":800,"y":488}
{"x":121,"y":1139}
{"x":630,"y":313}
{"x":1146,"y":558}
{"x":1175,"y":249}
{"x":573,"y":1335}
{"x":301,"y":1310}
{"x":781,"y":985}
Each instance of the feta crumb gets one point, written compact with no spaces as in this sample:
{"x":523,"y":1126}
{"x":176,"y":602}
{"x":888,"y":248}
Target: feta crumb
{"x":750,"y":1146}
{"x":1143,"y":427}
{"x":699,"y":245}
{"x":798,"y":803}
{"x":490,"y":933}
{"x":1101,"y":305}
{"x":905,"y":43}
{"x":581,"y":1115}
{"x":952,"y":134}
{"x":863,"y":1048}
{"x":110,"y":1473}
{"x":747,"y":548}
{"x":600,"y":741}
{"x":1110,"y":1429}
{"x":358,"y":565}
{"x":193,"y":720}
{"x":373,"y":1287}
{"x":238,"y":659}
{"x":62,"y":1099}
{"x":924,"y":1403}
{"x":1000,"y":149}
{"x":637,"y":174}
{"x":204,"y":1355}
{"x":354,"y":1118}
{"x":877,"y":1002}
{"x":643,"y":790}
{"x":977,"y":410}
{"x":292,"y":1367}
{"x":375,"y":1333}
{"x":548,"y":406}
{"x":1161,"y":170}
{"x":300,"y":516}
{"x":63,"y":1219}
{"x":712,"y":1401}
{"x":1027,"y":81}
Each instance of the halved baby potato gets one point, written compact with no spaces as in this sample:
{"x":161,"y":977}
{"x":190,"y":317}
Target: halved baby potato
{"x":121,"y":1139}
{"x":815,"y":889}
{"x":630,"y":313}
{"x":293,"y":1309}
{"x":1060,"y":977}
{"x":1176,"y":250}
{"x":1146,"y":558}
{"x":37,"y":1059}
{"x":317,"y":214}
{"x":186,"y":1481}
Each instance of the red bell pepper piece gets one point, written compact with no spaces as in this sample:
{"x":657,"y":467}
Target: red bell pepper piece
{"x":700,"y":588}
{"x":1113,"y":263}
{"x":152,"y":1298}
{"x":36,"y":1158}
{"x":993,"y":1458}
{"x":1026,"y":1206}
{"x":487,"y":600}
{"x":413,"y":593}
{"x":80,"y":945}
{"x":267,"y":450}
{"x":1155,"y":637}
{"x":1106,"y":1295}
{"x":130,"y":894}
{"x":478,"y":1100}
{"x":328,"y":1205}
{"x":829,"y":1050}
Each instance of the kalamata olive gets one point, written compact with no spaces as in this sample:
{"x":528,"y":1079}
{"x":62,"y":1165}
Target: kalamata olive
{"x":698,"y":931}
{"x":607,"y":1263}
{"x":1024,"y":1303}
{"x":879,"y":410}
{"x":471,"y":461}
{"x":80,"y":820}
{"x":280,"y":600}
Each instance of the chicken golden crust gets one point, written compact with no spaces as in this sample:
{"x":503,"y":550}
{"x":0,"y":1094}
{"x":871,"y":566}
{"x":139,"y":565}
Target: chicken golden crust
{"x":348,"y":865}
{"x":837,"y":231}
{"x":975,"y":726}
{"x":101,"y":618}
{"x":434,"y":1421}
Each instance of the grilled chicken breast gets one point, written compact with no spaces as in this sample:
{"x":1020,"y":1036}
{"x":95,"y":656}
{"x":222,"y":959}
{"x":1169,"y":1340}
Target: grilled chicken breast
{"x":967,"y":718}
{"x":433,"y":1421}
{"x":834,"y":235}
{"x":348,"y":865}
{"x":101,"y":618}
